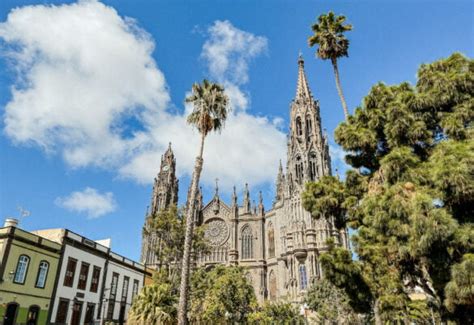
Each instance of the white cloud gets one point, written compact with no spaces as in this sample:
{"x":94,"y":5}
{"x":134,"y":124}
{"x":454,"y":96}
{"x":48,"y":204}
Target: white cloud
{"x":83,"y":70}
{"x":338,"y":160}
{"x":247,"y":150}
{"x":228,"y":51}
{"x":249,"y":147}
{"x":88,"y":201}
{"x":89,"y":89}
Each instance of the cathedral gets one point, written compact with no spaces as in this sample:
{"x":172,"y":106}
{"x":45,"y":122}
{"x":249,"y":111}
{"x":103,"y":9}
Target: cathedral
{"x":278,"y":247}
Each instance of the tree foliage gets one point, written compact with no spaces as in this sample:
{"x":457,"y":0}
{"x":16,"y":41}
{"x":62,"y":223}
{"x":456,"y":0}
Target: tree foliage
{"x":410,"y":196}
{"x":221,"y":295}
{"x":328,"y":34}
{"x":460,"y":289}
{"x":169,"y":226}
{"x":276,"y":313}
{"x":331,"y":303}
{"x":210,"y":108}
{"x":154,"y":305}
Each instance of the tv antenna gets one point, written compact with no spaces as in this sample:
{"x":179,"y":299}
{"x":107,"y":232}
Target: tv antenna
{"x":23,"y":212}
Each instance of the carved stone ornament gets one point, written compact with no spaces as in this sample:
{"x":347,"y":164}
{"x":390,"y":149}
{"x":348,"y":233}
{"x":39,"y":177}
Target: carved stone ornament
{"x":216,"y":232}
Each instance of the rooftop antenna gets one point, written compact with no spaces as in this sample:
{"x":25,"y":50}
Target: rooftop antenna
{"x":23,"y":213}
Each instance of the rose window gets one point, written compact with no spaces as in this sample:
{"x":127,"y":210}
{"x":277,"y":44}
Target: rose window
{"x":216,"y":232}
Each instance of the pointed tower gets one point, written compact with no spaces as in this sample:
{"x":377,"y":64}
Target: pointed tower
{"x":260,"y":207}
{"x":247,"y":204}
{"x":280,"y":184}
{"x":165,"y":188}
{"x":307,"y":148}
{"x":164,"y":194}
{"x":235,"y":204}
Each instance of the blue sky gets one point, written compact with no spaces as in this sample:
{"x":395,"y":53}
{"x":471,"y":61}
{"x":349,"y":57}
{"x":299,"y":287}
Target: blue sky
{"x":100,"y":89}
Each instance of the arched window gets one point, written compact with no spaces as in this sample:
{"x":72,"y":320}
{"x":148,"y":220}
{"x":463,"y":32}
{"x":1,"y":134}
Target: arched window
{"x":271,"y":241}
{"x":299,"y":130}
{"x":272,"y":286}
{"x":21,"y":269}
{"x":313,"y":172}
{"x":303,"y":278}
{"x":247,"y":243}
{"x":308,"y":126}
{"x":299,"y":169}
{"x":42,"y":274}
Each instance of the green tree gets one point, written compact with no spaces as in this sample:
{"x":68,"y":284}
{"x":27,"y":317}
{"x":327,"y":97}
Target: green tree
{"x":209,"y":114}
{"x":169,"y":226}
{"x":410,"y":197}
{"x":460,"y":289}
{"x":221,"y":295}
{"x":154,"y":305}
{"x":329,"y":35}
{"x":331,"y":303}
{"x":276,"y":313}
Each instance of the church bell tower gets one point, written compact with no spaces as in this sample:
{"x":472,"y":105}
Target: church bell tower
{"x":308,"y":150}
{"x":165,"y":194}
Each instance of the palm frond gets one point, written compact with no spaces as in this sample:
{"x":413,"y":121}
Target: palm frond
{"x":210,"y":107}
{"x":328,"y":33}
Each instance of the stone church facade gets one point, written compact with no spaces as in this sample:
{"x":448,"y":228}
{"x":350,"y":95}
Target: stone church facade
{"x":279,"y":247}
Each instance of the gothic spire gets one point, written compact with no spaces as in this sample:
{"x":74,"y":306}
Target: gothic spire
{"x":169,"y":152}
{"x":234,"y":197}
{"x":164,"y":194}
{"x":217,"y":187}
{"x":247,"y":204}
{"x":279,"y":183}
{"x":261,"y":208}
{"x":302,"y":88}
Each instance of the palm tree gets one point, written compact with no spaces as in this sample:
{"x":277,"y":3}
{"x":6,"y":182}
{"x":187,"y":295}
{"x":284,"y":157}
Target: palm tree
{"x":329,"y":34}
{"x":209,"y":114}
{"x":154,"y":305}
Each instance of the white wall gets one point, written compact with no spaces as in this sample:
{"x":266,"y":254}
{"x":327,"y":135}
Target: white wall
{"x":70,"y":292}
{"x":123,"y":271}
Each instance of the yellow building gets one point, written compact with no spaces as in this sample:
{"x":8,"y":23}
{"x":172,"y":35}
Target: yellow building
{"x":28,"y":266}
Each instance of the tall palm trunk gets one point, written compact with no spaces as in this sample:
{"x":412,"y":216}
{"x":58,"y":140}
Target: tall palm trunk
{"x":339,"y":88}
{"x":378,"y":319}
{"x":183,"y":288}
